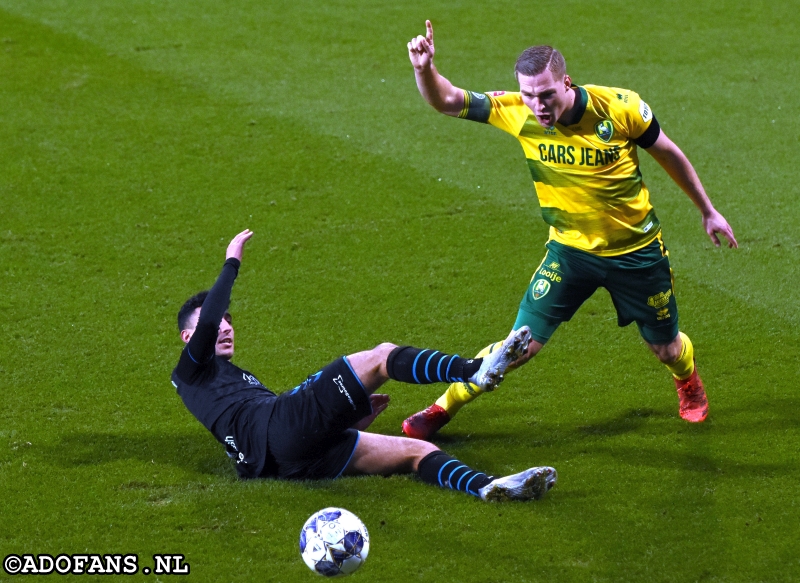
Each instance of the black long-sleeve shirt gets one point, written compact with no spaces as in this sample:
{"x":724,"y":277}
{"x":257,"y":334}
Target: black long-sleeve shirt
{"x":229,"y":401}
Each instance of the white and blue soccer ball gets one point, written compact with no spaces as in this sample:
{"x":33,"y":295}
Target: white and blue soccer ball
{"x":334,"y":542}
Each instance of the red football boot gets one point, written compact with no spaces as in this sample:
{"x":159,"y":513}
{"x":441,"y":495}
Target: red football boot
{"x":424,"y":424}
{"x":693,"y":401}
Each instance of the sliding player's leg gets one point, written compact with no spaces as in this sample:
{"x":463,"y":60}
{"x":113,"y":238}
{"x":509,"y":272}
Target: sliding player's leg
{"x":424,"y":424}
{"x":387,"y":455}
{"x":425,"y":366}
{"x":311,"y":435}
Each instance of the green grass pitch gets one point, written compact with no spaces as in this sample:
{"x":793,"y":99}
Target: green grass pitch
{"x":139,"y":136}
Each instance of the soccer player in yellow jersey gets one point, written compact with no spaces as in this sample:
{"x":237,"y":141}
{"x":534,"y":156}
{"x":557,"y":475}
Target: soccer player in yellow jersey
{"x":581,"y":144}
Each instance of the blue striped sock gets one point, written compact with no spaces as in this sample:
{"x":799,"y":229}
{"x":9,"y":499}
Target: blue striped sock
{"x":440,"y":469}
{"x":424,"y":366}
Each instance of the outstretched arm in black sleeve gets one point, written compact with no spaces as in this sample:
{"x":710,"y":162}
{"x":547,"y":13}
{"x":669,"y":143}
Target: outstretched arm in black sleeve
{"x":202,"y":345}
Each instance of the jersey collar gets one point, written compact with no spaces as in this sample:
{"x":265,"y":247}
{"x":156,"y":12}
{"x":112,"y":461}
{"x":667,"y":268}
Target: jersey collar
{"x":582,"y":100}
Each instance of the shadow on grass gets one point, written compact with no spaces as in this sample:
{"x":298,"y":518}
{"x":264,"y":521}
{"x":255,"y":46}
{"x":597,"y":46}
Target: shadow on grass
{"x":192,"y":452}
{"x":669,"y":443}
{"x":628,"y":422}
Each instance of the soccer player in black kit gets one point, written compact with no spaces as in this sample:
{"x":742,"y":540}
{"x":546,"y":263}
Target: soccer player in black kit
{"x":316,"y":430}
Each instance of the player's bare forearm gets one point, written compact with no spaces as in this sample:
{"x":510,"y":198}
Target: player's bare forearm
{"x":680,"y":169}
{"x":440,"y":93}
{"x":677,"y":165}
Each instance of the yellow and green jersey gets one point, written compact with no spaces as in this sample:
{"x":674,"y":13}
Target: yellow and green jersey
{"x":586,"y":174}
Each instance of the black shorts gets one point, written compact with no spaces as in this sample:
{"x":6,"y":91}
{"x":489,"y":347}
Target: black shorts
{"x":309,"y":435}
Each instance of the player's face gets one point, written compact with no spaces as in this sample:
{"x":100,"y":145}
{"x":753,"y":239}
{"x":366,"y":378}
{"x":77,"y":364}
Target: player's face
{"x":547,"y":97}
{"x":225,"y":337}
{"x":224,"y":346}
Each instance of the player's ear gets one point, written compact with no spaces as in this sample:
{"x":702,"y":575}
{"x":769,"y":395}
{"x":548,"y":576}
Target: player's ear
{"x":567,"y":82}
{"x":186,"y":335}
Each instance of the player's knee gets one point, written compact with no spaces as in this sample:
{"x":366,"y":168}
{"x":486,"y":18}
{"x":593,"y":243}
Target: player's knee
{"x":382,"y":351}
{"x":415,"y":450}
{"x":664,"y":357}
{"x":378,"y":356}
{"x":668,"y":353}
{"x":411,"y":452}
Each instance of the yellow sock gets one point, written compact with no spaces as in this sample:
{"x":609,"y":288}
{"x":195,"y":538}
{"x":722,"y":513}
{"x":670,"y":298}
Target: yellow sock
{"x":684,"y":366}
{"x":459,"y":394}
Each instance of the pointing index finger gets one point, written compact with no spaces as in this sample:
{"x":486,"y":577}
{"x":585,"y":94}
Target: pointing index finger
{"x":429,"y":28}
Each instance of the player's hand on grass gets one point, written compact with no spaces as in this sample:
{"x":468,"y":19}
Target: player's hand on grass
{"x":420,"y":48}
{"x":714,"y":224}
{"x":236,"y":246}
{"x":379,"y":403}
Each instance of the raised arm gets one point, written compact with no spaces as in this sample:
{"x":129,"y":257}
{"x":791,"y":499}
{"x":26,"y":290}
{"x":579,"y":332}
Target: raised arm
{"x":442,"y":95}
{"x":202,"y":345}
{"x":677,"y":165}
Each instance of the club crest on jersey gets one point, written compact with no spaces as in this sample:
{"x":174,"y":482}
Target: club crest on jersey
{"x":540,"y":289}
{"x":604,"y":130}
